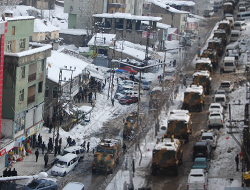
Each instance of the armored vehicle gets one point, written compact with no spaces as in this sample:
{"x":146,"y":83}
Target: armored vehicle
{"x":179,"y":124}
{"x":156,"y":95}
{"x":107,"y":156}
{"x":203,"y":78}
{"x":228,"y":8}
{"x":220,"y":33}
{"x":167,"y":156}
{"x":225,"y":25}
{"x":130,"y":126}
{"x":212,"y":55}
{"x":193,"y":98}
{"x":216,"y":43}
{"x":204,"y":64}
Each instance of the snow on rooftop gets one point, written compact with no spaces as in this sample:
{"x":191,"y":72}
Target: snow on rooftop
{"x":158,"y":25}
{"x":59,"y":60}
{"x":203,"y":60}
{"x":179,"y":3}
{"x":204,"y":73}
{"x":76,"y":32}
{"x":167,"y":7}
{"x":84,"y":49}
{"x":127,"y":16}
{"x":167,"y":144}
{"x":179,"y":115}
{"x":99,"y":38}
{"x":194,"y":88}
{"x":40,"y":26}
{"x":8,"y":11}
{"x":19,"y":18}
{"x":30,"y":51}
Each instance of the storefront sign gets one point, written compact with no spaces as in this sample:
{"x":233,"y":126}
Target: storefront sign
{"x":19,"y":141}
{"x":7,"y":148}
{"x":33,"y":130}
{"x":2,"y":152}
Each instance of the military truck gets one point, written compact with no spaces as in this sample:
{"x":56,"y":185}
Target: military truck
{"x":228,"y":8}
{"x":156,"y":95}
{"x":107,"y":156}
{"x":179,"y":124}
{"x":204,"y":64}
{"x":212,"y":55}
{"x":130,"y":127}
{"x":193,"y":98}
{"x":225,"y":25}
{"x":220,"y":33}
{"x":167,"y":156}
{"x":216,"y":43}
{"x":203,"y":78}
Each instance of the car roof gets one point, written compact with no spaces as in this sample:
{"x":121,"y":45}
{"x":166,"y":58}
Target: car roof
{"x":201,"y":143}
{"x":220,"y":90}
{"x":196,"y":171}
{"x":72,"y":148}
{"x":67,"y":157}
{"x":207,"y":133}
{"x":73,"y":186}
{"x":226,"y":82}
{"x":215,"y":104}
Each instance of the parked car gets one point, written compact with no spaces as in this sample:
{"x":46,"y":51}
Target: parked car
{"x":143,"y":78}
{"x":145,"y":85}
{"x":74,"y":186}
{"x":78,"y":150}
{"x":215,"y":119}
{"x":64,"y":165}
{"x":219,"y":91}
{"x":227,"y":86}
{"x":220,"y":98}
{"x":201,"y":149}
{"x":201,"y":163}
{"x":130,"y":83}
{"x":197,"y":179}
{"x":127,"y":100}
{"x":41,"y":184}
{"x":215,"y":107}
{"x":210,"y":137}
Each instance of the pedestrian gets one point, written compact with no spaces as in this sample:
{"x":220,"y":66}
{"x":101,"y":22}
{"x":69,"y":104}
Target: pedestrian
{"x":43,"y":147}
{"x":40,"y":139}
{"x":60,"y":141}
{"x":73,"y":142}
{"x":37,"y":154}
{"x":83,"y":144}
{"x":5,"y":173}
{"x":105,"y":82}
{"x":88,"y":146}
{"x":9,"y":173}
{"x":14,"y":172}
{"x":46,"y":159}
{"x":59,"y":149}
{"x":124,"y":147}
{"x":56,"y":149}
{"x":237,"y":162}
{"x":47,"y":123}
{"x":68,"y":141}
{"x":113,"y":101}
{"x":50,"y":127}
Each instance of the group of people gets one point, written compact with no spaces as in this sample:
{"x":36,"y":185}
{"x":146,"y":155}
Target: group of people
{"x":9,"y":173}
{"x":83,"y":145}
{"x":70,"y":142}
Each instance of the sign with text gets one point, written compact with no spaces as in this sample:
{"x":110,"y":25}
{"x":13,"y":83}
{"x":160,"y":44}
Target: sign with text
{"x":33,"y":130}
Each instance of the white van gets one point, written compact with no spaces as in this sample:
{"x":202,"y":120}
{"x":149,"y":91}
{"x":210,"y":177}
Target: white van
{"x":242,"y":9}
{"x":64,"y":165}
{"x":240,"y":25}
{"x":243,"y":15}
{"x":232,"y":46}
{"x":231,"y":20}
{"x":235,"y":35}
{"x":220,"y":98}
{"x":78,"y":150}
{"x":229,"y":64}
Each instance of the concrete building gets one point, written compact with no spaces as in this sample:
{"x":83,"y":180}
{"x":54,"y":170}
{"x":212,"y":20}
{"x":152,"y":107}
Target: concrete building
{"x":24,"y":76}
{"x":134,"y":7}
{"x":78,"y":37}
{"x":40,"y":4}
{"x":80,"y":12}
{"x":128,"y":27}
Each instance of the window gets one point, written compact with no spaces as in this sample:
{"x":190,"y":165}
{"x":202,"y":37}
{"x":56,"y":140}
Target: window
{"x":40,"y":87}
{"x":13,"y":30}
{"x":54,"y":92}
{"x":19,"y":123}
{"x":22,"y":44}
{"x":22,"y":72}
{"x":47,"y":92}
{"x":9,"y":46}
{"x":21,"y":95}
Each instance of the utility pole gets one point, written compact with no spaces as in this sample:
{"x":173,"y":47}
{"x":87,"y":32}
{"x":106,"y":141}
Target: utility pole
{"x":111,"y":73}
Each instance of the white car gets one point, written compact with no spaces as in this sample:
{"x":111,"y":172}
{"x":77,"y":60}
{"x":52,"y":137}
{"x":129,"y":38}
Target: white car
{"x":129,"y":83}
{"x":74,"y":186}
{"x":227,"y":86}
{"x":64,"y":165}
{"x":215,"y":119}
{"x":210,"y":137}
{"x":220,"y":98}
{"x":78,"y":150}
{"x":215,"y":107}
{"x":197,"y":179}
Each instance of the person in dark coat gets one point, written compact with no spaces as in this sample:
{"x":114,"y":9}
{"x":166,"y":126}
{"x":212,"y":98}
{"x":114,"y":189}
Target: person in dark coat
{"x":14,"y":172}
{"x":237,"y":162}
{"x":48,"y":120}
{"x":5,"y":173}
{"x":60,"y":141}
{"x":56,"y":149}
{"x":73,"y":142}
{"x":124,"y":147}
{"x":37,"y":154}
{"x":59,"y":149}
{"x":69,"y":141}
{"x":43,"y":147}
{"x":46,"y":159}
{"x":50,"y":127}
{"x":9,"y":173}
{"x":88,"y":146}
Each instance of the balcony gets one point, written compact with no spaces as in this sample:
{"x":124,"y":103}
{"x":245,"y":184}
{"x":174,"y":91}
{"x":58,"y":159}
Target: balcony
{"x":32,"y":77}
{"x":117,"y":5}
{"x":31,"y":99}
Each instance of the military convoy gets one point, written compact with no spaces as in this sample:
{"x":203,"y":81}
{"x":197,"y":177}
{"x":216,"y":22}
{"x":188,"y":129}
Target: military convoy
{"x":156,"y":94}
{"x":203,"y":78}
{"x":193,"y":98}
{"x":212,"y":55}
{"x":131,"y":127}
{"x":204,"y":64}
{"x":107,"y":156}
{"x":216,"y":44}
{"x":179,"y":124}
{"x":167,"y":156}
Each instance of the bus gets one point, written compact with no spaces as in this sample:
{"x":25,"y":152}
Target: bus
{"x":243,"y":15}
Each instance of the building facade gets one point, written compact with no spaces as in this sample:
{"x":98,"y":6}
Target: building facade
{"x":41,"y":4}
{"x":134,"y":7}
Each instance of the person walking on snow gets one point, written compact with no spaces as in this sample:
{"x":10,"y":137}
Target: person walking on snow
{"x":88,"y":146}
{"x":37,"y":154}
{"x":237,"y":162}
{"x":43,"y":147}
{"x":46,"y":159}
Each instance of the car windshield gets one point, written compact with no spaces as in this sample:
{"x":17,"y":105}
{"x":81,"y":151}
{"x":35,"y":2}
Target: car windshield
{"x":126,"y":97}
{"x":64,"y":152}
{"x":61,"y":163}
{"x":220,"y":92}
{"x":199,"y":162}
{"x":215,"y":115}
{"x":145,"y":83}
{"x":33,"y":185}
{"x":219,"y":99}
{"x":207,"y":138}
{"x":215,"y":107}
{"x":196,"y":175}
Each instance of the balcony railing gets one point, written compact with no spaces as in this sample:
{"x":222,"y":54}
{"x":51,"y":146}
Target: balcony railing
{"x":32,"y":77}
{"x":31,"y":99}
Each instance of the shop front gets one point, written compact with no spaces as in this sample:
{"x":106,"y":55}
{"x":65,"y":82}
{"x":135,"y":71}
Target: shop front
{"x":4,"y":155}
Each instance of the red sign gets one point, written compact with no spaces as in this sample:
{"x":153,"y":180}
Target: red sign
{"x":2,"y":152}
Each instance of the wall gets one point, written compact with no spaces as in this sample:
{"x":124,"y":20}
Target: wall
{"x":72,"y":21}
{"x":77,"y":40}
{"x":37,"y":37}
